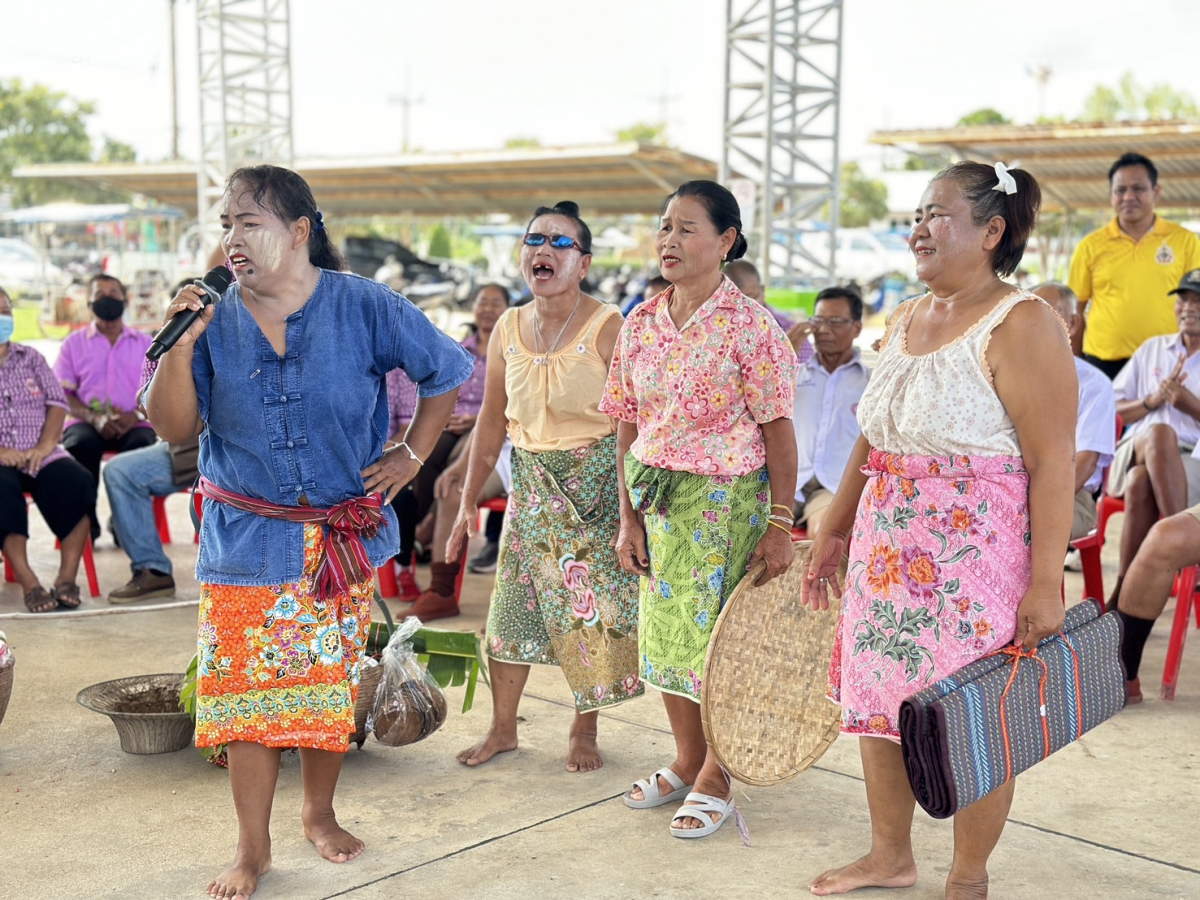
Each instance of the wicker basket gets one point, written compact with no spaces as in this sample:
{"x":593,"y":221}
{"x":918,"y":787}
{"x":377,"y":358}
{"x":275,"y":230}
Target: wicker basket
{"x":145,"y":709}
{"x":368,"y":682}
{"x":6,"y":680}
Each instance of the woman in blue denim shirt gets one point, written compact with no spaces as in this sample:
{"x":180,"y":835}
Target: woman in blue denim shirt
{"x":283,"y":381}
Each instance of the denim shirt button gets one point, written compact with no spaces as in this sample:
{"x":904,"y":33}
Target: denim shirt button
{"x":291,"y":444}
{"x":283,"y":399}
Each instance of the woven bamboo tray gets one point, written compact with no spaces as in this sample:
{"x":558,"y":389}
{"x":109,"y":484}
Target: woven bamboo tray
{"x":6,"y":682}
{"x":764,"y":705}
{"x":145,"y":709}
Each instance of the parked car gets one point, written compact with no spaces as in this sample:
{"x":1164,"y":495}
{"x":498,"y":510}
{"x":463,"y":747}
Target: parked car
{"x":25,"y":272}
{"x":863,"y":256}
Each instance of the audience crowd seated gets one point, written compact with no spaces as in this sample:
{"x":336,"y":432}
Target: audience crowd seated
{"x":744,"y":274}
{"x":415,"y":503}
{"x":100,"y":367}
{"x":1154,"y":468}
{"x":32,"y":409}
{"x":1095,"y":427}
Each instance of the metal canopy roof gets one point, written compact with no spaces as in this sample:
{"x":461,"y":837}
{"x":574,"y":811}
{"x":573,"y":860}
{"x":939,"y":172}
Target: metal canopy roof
{"x":612,"y":179}
{"x":1071,"y":161}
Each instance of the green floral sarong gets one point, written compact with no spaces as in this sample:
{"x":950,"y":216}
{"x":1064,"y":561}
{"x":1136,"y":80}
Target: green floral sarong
{"x":700,"y":532}
{"x":561,"y":598}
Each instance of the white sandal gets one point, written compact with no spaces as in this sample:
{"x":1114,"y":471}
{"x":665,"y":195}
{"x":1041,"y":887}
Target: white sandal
{"x":649,"y":787}
{"x":704,"y":808}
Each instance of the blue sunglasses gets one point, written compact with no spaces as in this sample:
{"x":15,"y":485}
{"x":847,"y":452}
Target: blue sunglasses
{"x":558,"y":241}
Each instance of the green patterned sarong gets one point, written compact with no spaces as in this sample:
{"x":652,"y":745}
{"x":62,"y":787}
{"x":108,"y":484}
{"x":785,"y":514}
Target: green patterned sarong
{"x":700,"y":532}
{"x":561,"y":598}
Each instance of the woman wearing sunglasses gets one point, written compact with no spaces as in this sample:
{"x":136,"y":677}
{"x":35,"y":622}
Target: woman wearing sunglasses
{"x":561,"y":597}
{"x":702,"y":384}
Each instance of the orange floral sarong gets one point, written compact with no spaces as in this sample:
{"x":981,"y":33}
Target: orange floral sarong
{"x":278,"y":665}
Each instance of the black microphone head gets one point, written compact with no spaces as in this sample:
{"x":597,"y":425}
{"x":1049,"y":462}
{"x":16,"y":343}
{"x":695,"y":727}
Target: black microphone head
{"x":219,"y":278}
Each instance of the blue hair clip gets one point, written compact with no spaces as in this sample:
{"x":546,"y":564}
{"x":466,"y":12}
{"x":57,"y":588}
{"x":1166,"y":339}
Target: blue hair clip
{"x":319,"y":224}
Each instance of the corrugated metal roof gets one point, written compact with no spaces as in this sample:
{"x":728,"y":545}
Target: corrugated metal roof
{"x":1071,"y":160}
{"x":615,"y":178}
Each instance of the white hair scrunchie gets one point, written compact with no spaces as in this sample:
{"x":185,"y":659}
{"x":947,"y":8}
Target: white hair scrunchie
{"x":1007,"y":183}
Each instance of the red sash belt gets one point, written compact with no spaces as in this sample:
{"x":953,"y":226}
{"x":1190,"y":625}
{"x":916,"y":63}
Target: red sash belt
{"x":344,"y":560}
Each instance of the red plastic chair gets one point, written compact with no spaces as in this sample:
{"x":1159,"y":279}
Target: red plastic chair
{"x":1090,"y":544}
{"x":163,"y":523}
{"x":1184,"y":604}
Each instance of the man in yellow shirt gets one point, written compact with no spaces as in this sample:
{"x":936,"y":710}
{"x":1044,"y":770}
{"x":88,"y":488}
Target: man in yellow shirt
{"x":1123,"y":271}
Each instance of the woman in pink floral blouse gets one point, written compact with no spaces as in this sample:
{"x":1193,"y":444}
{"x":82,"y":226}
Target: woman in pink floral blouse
{"x":701,"y":383}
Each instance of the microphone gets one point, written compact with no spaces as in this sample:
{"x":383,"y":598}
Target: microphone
{"x":214,"y":284}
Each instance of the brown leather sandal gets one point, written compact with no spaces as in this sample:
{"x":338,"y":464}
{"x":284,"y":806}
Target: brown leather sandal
{"x":67,"y":595}
{"x":39,"y":600}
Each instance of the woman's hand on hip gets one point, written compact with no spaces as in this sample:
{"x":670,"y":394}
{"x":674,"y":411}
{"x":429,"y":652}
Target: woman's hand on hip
{"x":1039,"y":615}
{"x":821,"y":577}
{"x":466,"y":523}
{"x":776,"y":550}
{"x":631,"y":546}
{"x":390,"y":473}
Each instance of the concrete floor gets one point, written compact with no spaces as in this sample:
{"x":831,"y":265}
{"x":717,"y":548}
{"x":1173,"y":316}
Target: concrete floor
{"x":1105,"y":817}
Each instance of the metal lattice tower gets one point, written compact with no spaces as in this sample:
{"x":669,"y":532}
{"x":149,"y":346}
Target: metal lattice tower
{"x":244,"y":51}
{"x":783,"y":63}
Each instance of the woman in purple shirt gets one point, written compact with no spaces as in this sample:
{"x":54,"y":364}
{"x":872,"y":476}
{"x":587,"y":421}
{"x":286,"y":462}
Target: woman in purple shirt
{"x":32,"y":410}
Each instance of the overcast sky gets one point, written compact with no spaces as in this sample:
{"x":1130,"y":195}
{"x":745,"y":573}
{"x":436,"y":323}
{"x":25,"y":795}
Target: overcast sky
{"x":567,"y":73}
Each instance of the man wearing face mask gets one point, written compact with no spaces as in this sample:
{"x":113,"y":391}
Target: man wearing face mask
{"x":100,"y":367}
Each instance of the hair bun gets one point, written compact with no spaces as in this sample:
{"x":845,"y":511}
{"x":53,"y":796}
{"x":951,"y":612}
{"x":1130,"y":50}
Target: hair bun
{"x":568,"y":208}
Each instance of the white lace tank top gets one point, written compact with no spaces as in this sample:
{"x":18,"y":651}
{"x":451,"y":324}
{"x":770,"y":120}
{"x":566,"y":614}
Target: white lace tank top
{"x":942,"y":402}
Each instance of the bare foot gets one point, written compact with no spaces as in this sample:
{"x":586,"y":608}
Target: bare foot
{"x":583,"y":754}
{"x":332,"y":841}
{"x":240,"y":880}
{"x":865,"y":872}
{"x":963,"y":889}
{"x":492,"y":743}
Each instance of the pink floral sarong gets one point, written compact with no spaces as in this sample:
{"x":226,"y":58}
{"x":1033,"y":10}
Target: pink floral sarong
{"x":939,"y":561}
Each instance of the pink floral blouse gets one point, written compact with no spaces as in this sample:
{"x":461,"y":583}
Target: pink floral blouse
{"x":698,"y":394}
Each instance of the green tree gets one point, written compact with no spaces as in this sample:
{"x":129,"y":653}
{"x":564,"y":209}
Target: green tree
{"x":645,"y":133}
{"x":115,"y":151}
{"x":863,"y":199}
{"x":521,"y":143}
{"x":1128,"y":100}
{"x":439,"y":242}
{"x":39,"y":125}
{"x":985,"y":116}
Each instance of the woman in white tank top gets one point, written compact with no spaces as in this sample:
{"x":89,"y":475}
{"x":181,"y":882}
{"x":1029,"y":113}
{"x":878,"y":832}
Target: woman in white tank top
{"x":955,"y":506}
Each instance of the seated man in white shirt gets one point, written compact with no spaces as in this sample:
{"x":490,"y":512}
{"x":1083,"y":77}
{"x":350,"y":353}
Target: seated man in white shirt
{"x":1154,"y":468}
{"x":1095,"y":429}
{"x":828,"y":388}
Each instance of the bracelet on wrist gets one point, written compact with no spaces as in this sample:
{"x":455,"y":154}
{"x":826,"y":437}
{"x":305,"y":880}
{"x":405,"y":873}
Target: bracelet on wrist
{"x":393,"y":445}
{"x":786,"y":531}
{"x":788,"y":520}
{"x":786,"y":509}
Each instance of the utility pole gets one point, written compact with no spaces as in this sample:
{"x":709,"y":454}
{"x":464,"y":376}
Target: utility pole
{"x":174,"y":88}
{"x":1041,"y":74}
{"x":406,"y":101}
